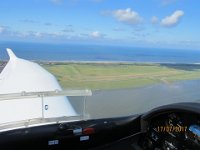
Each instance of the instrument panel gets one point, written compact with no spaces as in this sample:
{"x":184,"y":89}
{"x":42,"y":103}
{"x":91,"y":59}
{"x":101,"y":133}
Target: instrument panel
{"x":173,"y":131}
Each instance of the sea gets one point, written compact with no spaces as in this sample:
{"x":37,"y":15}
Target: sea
{"x":82,"y":52}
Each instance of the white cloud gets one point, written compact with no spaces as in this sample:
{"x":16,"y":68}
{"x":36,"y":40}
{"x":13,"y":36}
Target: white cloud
{"x":172,"y":20}
{"x":56,"y":34}
{"x":96,"y":34}
{"x":23,"y":34}
{"x":154,"y":20}
{"x":2,"y":29}
{"x":5,"y":30}
{"x":127,"y":16}
{"x":38,"y":34}
{"x":47,"y":35}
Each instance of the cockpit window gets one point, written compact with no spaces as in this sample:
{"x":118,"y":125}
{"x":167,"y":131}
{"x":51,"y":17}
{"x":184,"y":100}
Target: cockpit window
{"x":132,"y":56}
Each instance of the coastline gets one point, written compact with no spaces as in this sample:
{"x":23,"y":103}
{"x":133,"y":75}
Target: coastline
{"x":115,"y":62}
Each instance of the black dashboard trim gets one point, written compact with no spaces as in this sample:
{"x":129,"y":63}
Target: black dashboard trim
{"x":176,"y":107}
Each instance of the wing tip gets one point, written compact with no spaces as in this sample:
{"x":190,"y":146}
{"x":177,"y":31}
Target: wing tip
{"x":11,"y":53}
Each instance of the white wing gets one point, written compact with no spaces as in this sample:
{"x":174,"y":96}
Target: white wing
{"x":22,"y":75}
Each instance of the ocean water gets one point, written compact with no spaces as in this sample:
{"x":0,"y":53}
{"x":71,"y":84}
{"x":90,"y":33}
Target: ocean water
{"x":76,"y":52}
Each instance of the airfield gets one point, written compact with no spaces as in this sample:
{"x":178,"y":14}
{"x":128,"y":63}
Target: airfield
{"x":119,"y":75}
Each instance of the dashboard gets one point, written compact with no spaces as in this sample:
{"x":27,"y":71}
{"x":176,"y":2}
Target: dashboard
{"x":171,"y":129}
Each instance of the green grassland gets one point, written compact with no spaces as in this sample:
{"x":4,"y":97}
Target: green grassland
{"x":113,"y":76}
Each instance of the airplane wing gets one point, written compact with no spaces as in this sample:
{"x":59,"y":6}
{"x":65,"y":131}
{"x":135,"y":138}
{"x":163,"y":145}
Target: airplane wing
{"x":22,"y":75}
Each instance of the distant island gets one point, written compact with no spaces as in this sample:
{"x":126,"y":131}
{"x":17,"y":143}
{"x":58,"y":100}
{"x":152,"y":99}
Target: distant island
{"x":113,"y":75}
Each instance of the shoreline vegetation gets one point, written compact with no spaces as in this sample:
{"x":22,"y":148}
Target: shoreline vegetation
{"x":117,"y":75}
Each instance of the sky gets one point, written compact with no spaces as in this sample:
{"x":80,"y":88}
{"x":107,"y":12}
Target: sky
{"x":138,"y":23}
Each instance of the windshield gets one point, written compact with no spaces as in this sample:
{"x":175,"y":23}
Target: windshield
{"x":133,"y":56}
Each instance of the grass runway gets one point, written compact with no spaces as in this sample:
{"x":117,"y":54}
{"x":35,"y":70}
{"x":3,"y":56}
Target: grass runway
{"x":119,"y":75}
